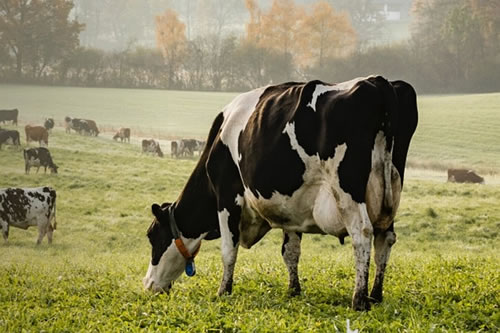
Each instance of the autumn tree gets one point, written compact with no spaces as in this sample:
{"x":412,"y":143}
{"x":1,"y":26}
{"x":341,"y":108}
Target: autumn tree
{"x":171,"y":39}
{"x":329,"y":34}
{"x":38,"y":32}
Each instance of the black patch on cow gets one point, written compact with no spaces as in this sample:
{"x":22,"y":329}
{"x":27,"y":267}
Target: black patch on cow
{"x":407,"y":124}
{"x":194,"y":211}
{"x":268,"y":164}
{"x":159,"y":233}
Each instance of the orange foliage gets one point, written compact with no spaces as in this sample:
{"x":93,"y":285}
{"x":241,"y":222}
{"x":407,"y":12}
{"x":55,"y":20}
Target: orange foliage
{"x":309,"y":38}
{"x":170,"y":35}
{"x":327,"y":34}
{"x":280,"y":26}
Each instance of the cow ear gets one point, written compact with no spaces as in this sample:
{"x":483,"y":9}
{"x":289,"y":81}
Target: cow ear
{"x":157,"y":211}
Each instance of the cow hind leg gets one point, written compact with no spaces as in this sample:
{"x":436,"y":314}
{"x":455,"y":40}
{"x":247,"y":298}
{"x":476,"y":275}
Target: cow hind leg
{"x":50,"y":231}
{"x":229,"y":242}
{"x":290,"y":250}
{"x":42,"y":230}
{"x":361,"y":232}
{"x":383,"y":242}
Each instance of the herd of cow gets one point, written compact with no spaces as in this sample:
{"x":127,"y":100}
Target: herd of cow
{"x":302,"y":157}
{"x":25,"y":207}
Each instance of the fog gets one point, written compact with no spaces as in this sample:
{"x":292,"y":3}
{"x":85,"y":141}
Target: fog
{"x":440,"y":46}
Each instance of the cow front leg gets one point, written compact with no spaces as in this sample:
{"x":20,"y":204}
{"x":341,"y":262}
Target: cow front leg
{"x":290,"y":250}
{"x":361,"y":233}
{"x":5,"y":230}
{"x":42,"y":230}
{"x":229,"y":245}
{"x":383,"y":242}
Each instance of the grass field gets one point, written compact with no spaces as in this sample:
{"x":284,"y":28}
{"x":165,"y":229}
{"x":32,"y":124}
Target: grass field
{"x":443,"y":275}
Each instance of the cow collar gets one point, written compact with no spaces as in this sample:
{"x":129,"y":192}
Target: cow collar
{"x":190,"y":267}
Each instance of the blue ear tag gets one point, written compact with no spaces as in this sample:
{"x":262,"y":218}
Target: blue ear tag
{"x":190,"y":268}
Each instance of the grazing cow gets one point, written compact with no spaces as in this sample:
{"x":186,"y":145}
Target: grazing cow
{"x":49,"y":124}
{"x":23,"y":208}
{"x":123,"y":134}
{"x":464,"y":176}
{"x":186,"y":147}
{"x":9,"y":137}
{"x":36,"y":133}
{"x":81,"y":126}
{"x":303,"y":157}
{"x":151,"y":146}
{"x":37,"y":157}
{"x":9,"y":115}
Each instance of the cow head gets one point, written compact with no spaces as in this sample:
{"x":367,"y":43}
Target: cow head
{"x":166,"y":264}
{"x":53,"y":168}
{"x":158,"y":151}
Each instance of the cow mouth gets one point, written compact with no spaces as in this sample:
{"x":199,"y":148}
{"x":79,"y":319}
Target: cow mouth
{"x":149,"y":284}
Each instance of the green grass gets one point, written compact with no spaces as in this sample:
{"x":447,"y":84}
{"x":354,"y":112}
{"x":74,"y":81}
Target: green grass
{"x":443,"y":274}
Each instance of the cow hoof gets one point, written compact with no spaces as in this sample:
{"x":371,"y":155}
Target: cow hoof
{"x":376,"y":296}
{"x":225,"y":291}
{"x":294,"y":289}
{"x":360,"y":303}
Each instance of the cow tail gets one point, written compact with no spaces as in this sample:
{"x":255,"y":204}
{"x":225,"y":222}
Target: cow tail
{"x":389,"y":123}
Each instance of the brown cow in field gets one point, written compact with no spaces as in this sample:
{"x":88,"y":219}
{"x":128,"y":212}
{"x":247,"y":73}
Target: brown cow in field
{"x":36,"y":133}
{"x":464,"y":176}
{"x":123,"y":134}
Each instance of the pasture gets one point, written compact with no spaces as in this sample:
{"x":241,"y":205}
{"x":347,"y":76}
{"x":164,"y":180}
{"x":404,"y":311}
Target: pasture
{"x":443,"y":274}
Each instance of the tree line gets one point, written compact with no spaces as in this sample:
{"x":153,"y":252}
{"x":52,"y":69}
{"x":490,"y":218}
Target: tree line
{"x":454,"y":46}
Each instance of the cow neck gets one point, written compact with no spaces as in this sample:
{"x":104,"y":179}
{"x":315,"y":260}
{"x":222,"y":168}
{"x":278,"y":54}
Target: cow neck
{"x":177,"y":238}
{"x":196,"y":208}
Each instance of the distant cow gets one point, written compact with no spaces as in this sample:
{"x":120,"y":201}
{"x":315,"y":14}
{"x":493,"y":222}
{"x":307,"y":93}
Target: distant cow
{"x":464,"y":176}
{"x":23,"y":208}
{"x":151,"y":146}
{"x":186,"y":147}
{"x":123,"y":134}
{"x":81,"y":126}
{"x":49,"y":124}
{"x":9,"y":115}
{"x":9,"y":137}
{"x":38,"y":157}
{"x":36,"y":133}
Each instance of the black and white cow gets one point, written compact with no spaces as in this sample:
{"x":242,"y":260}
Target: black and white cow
{"x":26,"y":207}
{"x":151,"y":146}
{"x":49,"y":124}
{"x":9,"y":137}
{"x":303,"y":157}
{"x":38,"y":157}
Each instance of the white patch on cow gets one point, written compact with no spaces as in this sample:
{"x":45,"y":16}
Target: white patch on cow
{"x":9,"y":141}
{"x":239,"y":200}
{"x":226,"y":234}
{"x":237,"y":113}
{"x":322,"y":88}
{"x":318,"y":205}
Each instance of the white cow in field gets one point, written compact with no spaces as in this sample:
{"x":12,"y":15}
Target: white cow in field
{"x":26,"y":207}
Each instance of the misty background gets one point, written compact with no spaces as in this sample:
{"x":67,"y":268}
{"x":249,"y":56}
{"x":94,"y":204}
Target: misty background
{"x":440,"y":46}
